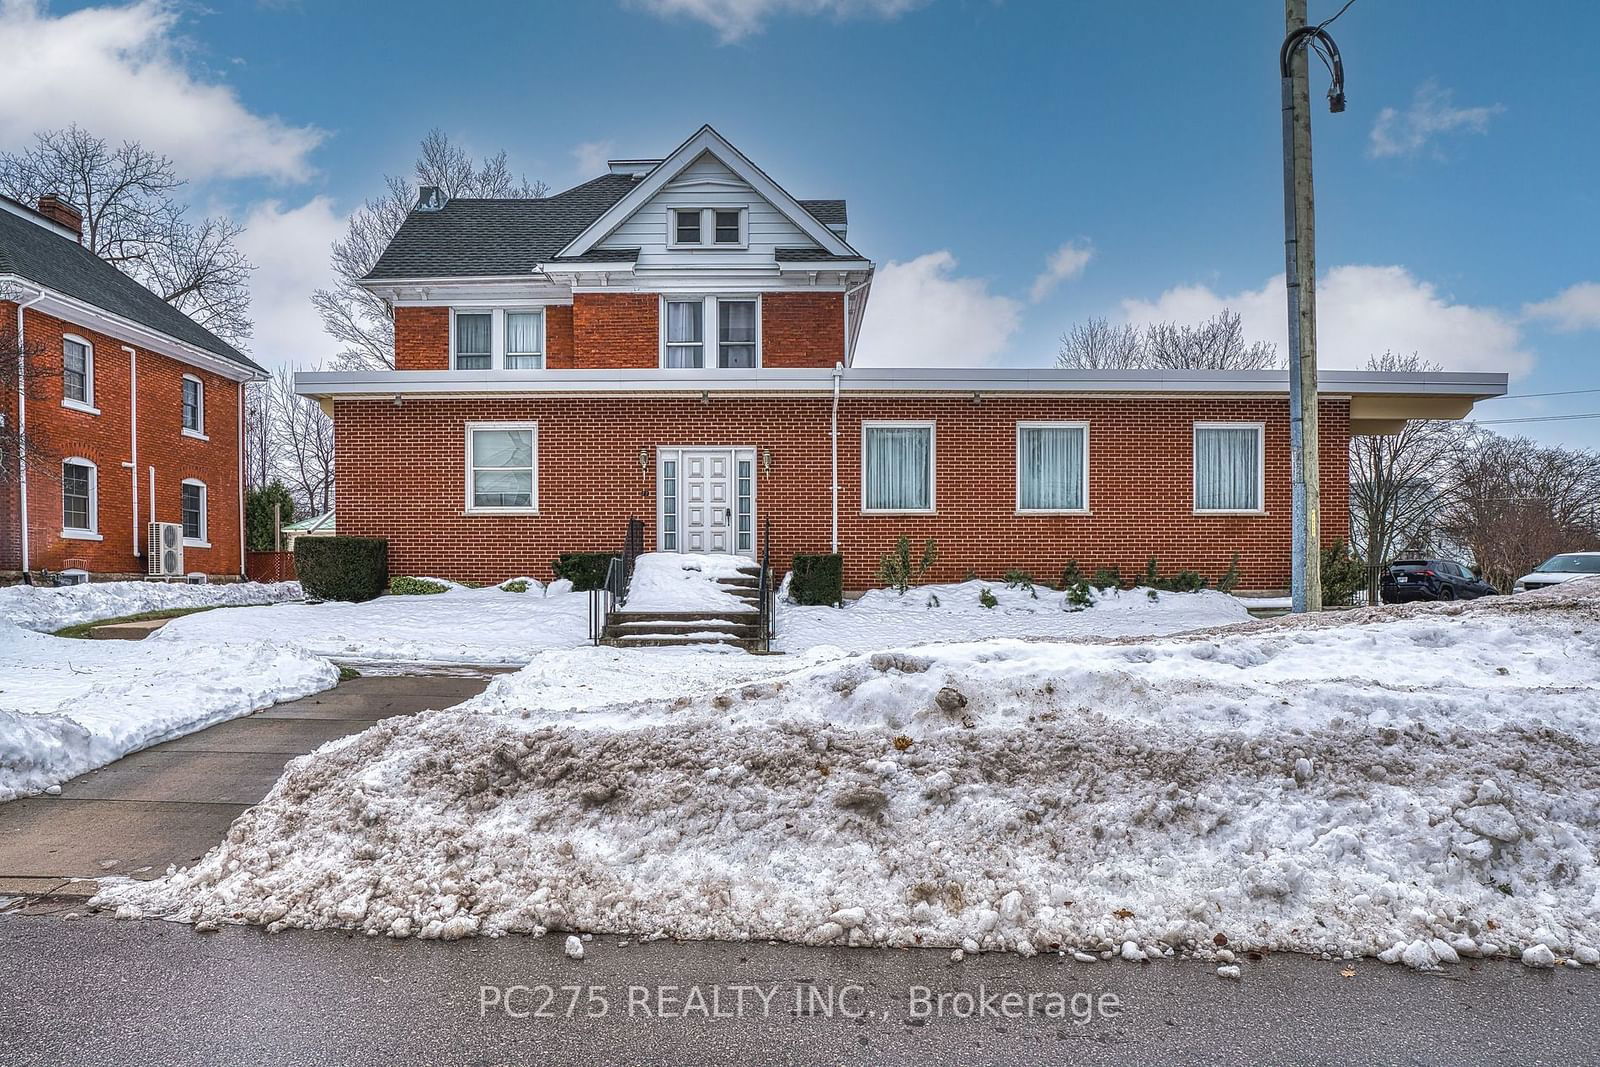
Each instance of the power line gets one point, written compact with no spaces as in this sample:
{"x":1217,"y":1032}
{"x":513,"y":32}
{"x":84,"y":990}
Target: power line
{"x":1328,"y":22}
{"x":1529,"y":396}
{"x":1538,"y":418}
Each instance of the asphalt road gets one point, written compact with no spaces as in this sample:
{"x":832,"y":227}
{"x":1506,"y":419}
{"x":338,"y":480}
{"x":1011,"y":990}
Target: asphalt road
{"x":97,"y":991}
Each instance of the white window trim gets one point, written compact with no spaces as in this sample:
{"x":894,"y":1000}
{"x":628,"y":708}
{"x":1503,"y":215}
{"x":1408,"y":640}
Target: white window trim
{"x":495,"y":326}
{"x":708,"y":229}
{"x":86,"y":405}
{"x":933,"y":464}
{"x":92,"y":531}
{"x":199,"y":433}
{"x":506,"y":353}
{"x":1261,"y":467}
{"x":204,"y":540}
{"x":710,"y":345}
{"x":1056,"y":425}
{"x":473,"y":509}
{"x":497,"y":332}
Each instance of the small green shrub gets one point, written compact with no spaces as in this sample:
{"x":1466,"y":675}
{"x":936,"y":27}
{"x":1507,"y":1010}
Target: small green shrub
{"x":1342,"y":575}
{"x":1079,"y":596}
{"x":1071,"y":574}
{"x":817,"y":578}
{"x":896,"y":570}
{"x":1106,"y":578}
{"x":1152,"y":574}
{"x":342,"y":568}
{"x":415,"y":586}
{"x":585,"y":570}
{"x":986,"y":598}
{"x":1018,"y":579}
{"x":1230,"y":577}
{"x":515,"y":585}
{"x":1184,"y":582}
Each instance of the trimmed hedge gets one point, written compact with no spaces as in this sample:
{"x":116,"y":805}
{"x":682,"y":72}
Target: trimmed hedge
{"x":585,"y":570}
{"x":405,"y":586}
{"x":817,"y":579}
{"x":342,"y":568}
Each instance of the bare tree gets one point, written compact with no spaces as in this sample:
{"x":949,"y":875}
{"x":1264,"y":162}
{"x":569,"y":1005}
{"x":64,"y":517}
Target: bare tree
{"x":1216,"y":344}
{"x":364,"y":323}
{"x":23,"y":366}
{"x":303,"y":434}
{"x":131,"y":218}
{"x":263,"y":454}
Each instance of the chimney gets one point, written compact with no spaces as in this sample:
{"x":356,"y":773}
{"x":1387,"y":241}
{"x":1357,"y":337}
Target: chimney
{"x":59,"y":210}
{"x":430,"y":198}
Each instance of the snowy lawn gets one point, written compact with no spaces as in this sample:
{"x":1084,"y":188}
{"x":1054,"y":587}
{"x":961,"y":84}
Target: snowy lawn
{"x":1414,"y":782}
{"x":51,"y":609}
{"x":68,"y":706}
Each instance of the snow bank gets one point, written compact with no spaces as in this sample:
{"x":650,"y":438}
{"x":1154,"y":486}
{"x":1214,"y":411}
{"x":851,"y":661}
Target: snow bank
{"x":1414,"y":784}
{"x":460,"y":625}
{"x":69,"y":706}
{"x":684,"y":581}
{"x":49,"y":609}
{"x":883,"y":618}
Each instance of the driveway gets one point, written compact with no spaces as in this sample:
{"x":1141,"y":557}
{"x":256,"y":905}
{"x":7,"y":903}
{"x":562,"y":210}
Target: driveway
{"x":171,"y":803}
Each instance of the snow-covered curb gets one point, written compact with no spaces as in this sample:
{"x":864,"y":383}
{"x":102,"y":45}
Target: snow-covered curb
{"x":52,"y":608}
{"x":1411,"y":778}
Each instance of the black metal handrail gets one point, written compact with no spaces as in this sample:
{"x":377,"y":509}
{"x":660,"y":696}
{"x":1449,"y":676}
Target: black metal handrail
{"x":764,"y":591}
{"x":613,"y":592}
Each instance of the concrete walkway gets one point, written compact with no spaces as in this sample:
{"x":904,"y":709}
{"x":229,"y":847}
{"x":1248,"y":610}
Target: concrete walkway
{"x":172,"y":802}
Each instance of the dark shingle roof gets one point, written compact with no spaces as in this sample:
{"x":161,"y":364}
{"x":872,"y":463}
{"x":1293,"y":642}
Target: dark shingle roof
{"x":827,"y":212}
{"x":46,"y":258}
{"x":600,"y":255}
{"x":809,"y":255}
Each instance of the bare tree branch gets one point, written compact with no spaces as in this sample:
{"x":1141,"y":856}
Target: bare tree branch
{"x":1215,"y":344}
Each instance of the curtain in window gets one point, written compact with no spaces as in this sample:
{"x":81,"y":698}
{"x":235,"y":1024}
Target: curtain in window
{"x":523,"y":341}
{"x":191,"y":511}
{"x":899,"y":461}
{"x":502,"y":468}
{"x":684,"y":336}
{"x":76,"y":480}
{"x":191,"y":405}
{"x":472,"y":341}
{"x":1227,"y":468}
{"x":736,"y":333}
{"x":75,"y":372}
{"x":1050,"y":468}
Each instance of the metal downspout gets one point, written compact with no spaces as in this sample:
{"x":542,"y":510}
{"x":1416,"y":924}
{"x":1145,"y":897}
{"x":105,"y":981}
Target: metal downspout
{"x":22,"y":426}
{"x":133,"y":441}
{"x":838,"y":372}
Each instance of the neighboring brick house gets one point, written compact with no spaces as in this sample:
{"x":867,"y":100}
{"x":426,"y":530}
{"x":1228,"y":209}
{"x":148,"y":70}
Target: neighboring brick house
{"x":675,"y":341}
{"x":130,"y":410}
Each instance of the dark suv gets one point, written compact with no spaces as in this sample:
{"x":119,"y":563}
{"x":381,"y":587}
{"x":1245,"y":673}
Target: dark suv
{"x":1431,"y":579}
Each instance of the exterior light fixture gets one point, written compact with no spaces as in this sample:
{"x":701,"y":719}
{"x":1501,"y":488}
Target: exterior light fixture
{"x":644,"y":459}
{"x":766,"y":461}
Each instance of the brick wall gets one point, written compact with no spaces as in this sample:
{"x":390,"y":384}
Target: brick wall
{"x":590,"y":482}
{"x":58,"y":432}
{"x":615,"y":330}
{"x":422,"y":338}
{"x":558,"y":337}
{"x":802,"y":329}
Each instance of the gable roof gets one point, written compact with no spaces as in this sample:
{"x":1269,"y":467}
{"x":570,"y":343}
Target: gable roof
{"x":44,"y":256}
{"x":706,"y":139}
{"x":827,"y":212}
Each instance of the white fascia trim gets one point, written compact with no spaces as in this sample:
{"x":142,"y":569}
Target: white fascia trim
{"x":826,"y":266}
{"x":866,"y":380}
{"x":74,"y":310}
{"x":621,"y":266}
{"x":707,"y":139}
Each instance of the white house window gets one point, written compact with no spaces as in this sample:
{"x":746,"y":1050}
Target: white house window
{"x":524,"y":340}
{"x":193,"y":512}
{"x":79,"y":499}
{"x":738,"y":331}
{"x":1052,"y":467}
{"x":1228,"y":467}
{"x":686,"y":227}
{"x":194,"y":406}
{"x":669,"y":505}
{"x":77,"y":372}
{"x":474,"y":340}
{"x":502,"y":467}
{"x":706,"y":227}
{"x":728,"y":228}
{"x":897,"y":466}
{"x":745,"y":495}
{"x":685,"y":333}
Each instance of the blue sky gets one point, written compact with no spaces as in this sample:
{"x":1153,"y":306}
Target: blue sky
{"x":1136,"y":146}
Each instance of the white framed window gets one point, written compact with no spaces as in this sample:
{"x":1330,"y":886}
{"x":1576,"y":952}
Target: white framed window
{"x":77,"y":374}
{"x":1053,"y":468}
{"x":711,"y":331}
{"x":471,"y":339}
{"x":708,"y":227}
{"x":1229,"y":475}
{"x":897,"y":467}
{"x":192,"y":492}
{"x":194,"y":407}
{"x":496,"y":338}
{"x":502,"y":468}
{"x":524,"y":346}
{"x":80,"y":499}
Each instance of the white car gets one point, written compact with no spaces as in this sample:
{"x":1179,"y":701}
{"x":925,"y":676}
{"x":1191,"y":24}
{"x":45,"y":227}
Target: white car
{"x":1558,"y":569}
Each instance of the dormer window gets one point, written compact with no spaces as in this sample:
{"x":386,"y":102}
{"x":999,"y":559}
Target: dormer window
{"x":707,"y":227}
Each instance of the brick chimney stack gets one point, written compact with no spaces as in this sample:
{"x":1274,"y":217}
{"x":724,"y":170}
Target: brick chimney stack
{"x":59,"y":210}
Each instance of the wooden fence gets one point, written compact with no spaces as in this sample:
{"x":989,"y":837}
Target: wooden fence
{"x":269,"y":566}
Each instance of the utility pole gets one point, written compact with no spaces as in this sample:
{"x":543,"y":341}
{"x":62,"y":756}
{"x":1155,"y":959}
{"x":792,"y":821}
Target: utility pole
{"x":1300,"y":269}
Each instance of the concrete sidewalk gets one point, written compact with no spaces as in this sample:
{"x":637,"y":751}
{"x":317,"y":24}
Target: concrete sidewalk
{"x":172,"y":802}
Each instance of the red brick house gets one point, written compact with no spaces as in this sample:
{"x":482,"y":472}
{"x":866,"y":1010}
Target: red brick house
{"x":130,"y":412}
{"x":675,"y":340}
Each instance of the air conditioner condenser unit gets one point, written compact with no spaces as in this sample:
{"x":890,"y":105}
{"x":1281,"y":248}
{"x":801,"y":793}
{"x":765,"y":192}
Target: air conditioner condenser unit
{"x":164,"y":555}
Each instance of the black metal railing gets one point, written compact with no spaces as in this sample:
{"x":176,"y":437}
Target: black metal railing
{"x":613,"y":592}
{"x":765,"y":592}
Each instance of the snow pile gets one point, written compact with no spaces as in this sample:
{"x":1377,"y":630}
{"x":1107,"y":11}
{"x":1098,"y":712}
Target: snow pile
{"x":69,"y":706}
{"x":460,"y":625}
{"x":1409,"y":783}
{"x":883,"y":618}
{"x":49,"y":609}
{"x":685,"y":581}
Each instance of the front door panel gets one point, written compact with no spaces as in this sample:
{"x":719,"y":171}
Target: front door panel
{"x":707,"y":501}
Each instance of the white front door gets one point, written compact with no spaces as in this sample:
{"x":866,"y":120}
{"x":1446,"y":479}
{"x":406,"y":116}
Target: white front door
{"x":707,"y":499}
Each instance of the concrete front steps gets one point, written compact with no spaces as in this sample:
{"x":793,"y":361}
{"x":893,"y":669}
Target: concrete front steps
{"x":641,"y":629}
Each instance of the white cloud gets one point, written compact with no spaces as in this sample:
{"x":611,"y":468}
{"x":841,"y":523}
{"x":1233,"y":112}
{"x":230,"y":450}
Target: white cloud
{"x":289,"y":247}
{"x":921,"y":315}
{"x":734,"y":19}
{"x":119,"y":72}
{"x":1408,"y":132}
{"x":1576,"y":307}
{"x":1064,"y":264}
{"x":1361,"y":311}
{"x":591,"y":157}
